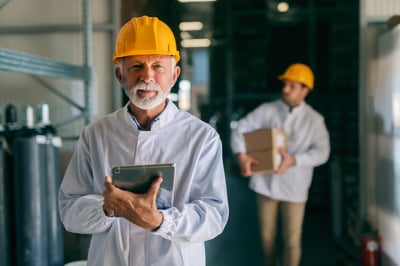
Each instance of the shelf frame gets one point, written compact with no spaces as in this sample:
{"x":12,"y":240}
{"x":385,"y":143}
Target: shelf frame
{"x":37,"y":66}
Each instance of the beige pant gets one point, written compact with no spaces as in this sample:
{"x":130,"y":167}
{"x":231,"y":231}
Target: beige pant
{"x":292,"y":214}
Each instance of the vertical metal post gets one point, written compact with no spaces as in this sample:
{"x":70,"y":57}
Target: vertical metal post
{"x":117,"y":95}
{"x":230,"y":89}
{"x":88,"y":58}
{"x":311,"y":35}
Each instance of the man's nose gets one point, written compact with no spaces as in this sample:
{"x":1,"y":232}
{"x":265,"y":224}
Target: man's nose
{"x":147,"y":75}
{"x":285,"y":88}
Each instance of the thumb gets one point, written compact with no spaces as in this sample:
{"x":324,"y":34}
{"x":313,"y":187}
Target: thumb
{"x":108,"y":183}
{"x":155,"y":186}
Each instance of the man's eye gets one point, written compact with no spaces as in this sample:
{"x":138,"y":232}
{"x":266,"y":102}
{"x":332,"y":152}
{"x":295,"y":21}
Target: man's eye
{"x":159,"y":68}
{"x":135,"y":67}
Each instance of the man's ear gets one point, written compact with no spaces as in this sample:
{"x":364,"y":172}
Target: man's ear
{"x":306,"y":91}
{"x":118,"y":74}
{"x":177,"y":72}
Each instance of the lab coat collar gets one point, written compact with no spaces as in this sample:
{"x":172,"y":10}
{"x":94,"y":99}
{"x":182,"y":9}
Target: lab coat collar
{"x":292,"y":110}
{"x":163,"y":119}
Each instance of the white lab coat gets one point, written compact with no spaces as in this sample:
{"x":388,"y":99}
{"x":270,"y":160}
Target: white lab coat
{"x":197,"y":210}
{"x":307,"y":140}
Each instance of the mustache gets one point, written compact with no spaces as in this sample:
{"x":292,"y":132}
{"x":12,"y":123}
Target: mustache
{"x":146,"y":86}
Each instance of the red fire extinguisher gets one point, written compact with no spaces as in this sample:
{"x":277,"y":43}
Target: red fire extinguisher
{"x":370,"y":249}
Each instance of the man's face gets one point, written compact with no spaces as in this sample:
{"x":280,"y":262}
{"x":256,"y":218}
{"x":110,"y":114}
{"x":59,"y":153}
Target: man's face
{"x":147,"y":79}
{"x":293,"y":92}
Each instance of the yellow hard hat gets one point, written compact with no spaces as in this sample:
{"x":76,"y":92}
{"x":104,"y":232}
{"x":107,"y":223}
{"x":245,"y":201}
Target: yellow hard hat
{"x":300,"y":73}
{"x":143,"y":36}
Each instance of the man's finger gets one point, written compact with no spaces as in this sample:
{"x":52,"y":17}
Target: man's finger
{"x":108,"y":183}
{"x":108,"y":212}
{"x":155,"y":186}
{"x":107,"y":179}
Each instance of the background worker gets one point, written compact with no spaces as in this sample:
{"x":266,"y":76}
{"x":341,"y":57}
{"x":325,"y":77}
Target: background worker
{"x":158,"y":227}
{"x":285,"y":192}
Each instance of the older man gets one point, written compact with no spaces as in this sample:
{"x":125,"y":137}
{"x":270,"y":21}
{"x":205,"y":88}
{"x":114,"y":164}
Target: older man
{"x":149,"y":229}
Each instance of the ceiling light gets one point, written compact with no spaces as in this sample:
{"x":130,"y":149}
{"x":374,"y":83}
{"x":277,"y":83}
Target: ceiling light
{"x":282,"y":7}
{"x":192,"y":1}
{"x":190,"y":26}
{"x":195,"y":43}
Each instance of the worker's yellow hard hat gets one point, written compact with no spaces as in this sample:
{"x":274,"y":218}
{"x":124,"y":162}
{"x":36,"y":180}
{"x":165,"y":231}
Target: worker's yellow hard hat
{"x":300,"y":73}
{"x":143,"y":36}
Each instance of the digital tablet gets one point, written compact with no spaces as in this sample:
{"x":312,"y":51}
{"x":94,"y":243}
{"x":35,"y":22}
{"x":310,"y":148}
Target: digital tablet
{"x":138,"y":178}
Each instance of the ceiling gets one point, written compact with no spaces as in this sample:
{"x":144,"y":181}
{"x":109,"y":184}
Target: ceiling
{"x":198,"y":11}
{"x":173,"y":12}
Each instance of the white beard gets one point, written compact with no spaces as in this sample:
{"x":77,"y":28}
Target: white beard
{"x":146,"y":103}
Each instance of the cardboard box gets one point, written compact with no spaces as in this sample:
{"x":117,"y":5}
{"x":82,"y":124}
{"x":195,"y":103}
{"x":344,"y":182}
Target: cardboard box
{"x":269,"y":160}
{"x":264,"y":145}
{"x":265,"y":139}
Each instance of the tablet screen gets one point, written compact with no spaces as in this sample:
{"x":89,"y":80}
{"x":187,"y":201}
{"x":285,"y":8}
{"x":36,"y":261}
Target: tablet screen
{"x":138,"y":178}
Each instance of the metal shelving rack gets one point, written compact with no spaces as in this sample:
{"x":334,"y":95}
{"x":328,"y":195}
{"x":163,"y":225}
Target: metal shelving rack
{"x":38,"y":67}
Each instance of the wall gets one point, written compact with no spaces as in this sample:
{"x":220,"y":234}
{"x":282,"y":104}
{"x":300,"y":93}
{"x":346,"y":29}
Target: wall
{"x":386,"y":107}
{"x":378,"y":138}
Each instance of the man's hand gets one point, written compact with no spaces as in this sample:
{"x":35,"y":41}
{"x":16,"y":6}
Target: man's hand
{"x":245,"y":163}
{"x":140,"y":209}
{"x":287,"y":161}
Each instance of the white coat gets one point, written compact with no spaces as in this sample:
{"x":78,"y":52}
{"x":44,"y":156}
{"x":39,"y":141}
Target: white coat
{"x":197,"y":210}
{"x":307,"y":140}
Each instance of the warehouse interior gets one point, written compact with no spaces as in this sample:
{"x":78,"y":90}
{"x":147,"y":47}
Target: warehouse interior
{"x":59,"y":53}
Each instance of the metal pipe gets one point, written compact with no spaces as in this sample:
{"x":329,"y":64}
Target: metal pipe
{"x":88,"y":58}
{"x":58,"y":93}
{"x":25,"y":63}
{"x":5,"y":2}
{"x":38,"y":29}
{"x":70,"y":120}
{"x":115,"y":21}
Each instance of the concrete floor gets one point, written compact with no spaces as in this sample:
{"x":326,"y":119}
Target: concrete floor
{"x":240,"y":245}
